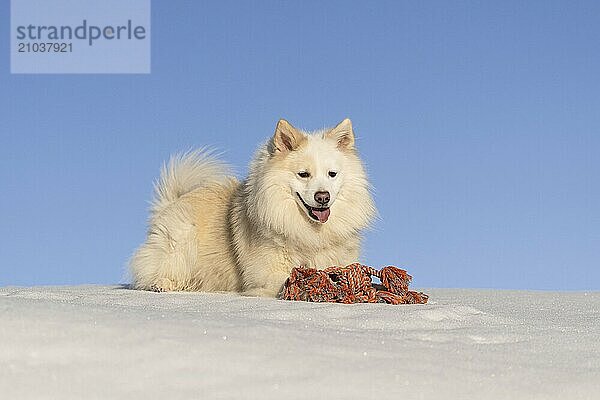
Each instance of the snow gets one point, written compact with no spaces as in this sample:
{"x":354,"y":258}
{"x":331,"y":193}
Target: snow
{"x":99,"y":342}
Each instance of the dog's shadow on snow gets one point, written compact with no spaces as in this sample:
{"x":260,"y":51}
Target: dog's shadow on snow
{"x":123,"y":286}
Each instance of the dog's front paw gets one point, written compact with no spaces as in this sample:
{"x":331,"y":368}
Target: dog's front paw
{"x":163,"y":285}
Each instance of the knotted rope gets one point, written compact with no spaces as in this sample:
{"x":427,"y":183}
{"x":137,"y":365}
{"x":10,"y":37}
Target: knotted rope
{"x":351,"y":284}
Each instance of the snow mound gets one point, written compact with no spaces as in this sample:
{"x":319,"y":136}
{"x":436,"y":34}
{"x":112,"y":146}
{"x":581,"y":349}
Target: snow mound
{"x":99,"y":342}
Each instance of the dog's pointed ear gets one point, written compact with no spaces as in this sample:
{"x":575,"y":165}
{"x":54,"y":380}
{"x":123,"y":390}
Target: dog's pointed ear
{"x":343,"y":134}
{"x":286,"y":137}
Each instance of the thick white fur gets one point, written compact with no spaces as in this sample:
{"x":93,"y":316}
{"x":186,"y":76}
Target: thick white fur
{"x":209,"y":232}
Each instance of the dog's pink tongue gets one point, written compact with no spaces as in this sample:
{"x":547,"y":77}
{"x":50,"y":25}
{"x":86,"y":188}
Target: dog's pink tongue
{"x":323,"y":215}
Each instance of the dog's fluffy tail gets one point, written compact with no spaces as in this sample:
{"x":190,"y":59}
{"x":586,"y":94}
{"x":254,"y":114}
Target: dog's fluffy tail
{"x":185,"y":172}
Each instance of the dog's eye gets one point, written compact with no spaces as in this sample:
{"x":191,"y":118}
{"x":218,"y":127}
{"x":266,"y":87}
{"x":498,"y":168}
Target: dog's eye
{"x":332,"y":174}
{"x":304,"y":174}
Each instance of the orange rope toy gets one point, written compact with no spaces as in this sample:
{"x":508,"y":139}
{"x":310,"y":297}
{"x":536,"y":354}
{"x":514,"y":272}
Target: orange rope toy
{"x":351,"y":284}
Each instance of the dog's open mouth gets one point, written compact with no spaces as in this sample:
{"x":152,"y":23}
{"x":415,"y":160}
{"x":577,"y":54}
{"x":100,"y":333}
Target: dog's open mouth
{"x":318,"y":214}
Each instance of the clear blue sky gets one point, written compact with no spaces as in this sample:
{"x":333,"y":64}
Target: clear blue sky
{"x":479,"y":123}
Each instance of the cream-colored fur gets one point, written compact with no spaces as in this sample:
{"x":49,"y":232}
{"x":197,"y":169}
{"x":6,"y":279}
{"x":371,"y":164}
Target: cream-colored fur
{"x":209,"y":232}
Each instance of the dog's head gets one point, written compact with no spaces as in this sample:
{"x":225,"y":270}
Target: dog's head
{"x":314,"y":165}
{"x":309,"y":186}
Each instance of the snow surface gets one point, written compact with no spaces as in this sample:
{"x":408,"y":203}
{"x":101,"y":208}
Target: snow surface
{"x":99,"y":342}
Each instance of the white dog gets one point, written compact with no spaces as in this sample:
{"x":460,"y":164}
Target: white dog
{"x":304,"y":203}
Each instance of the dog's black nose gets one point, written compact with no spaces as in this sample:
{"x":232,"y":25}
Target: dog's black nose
{"x":322,"y":197}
